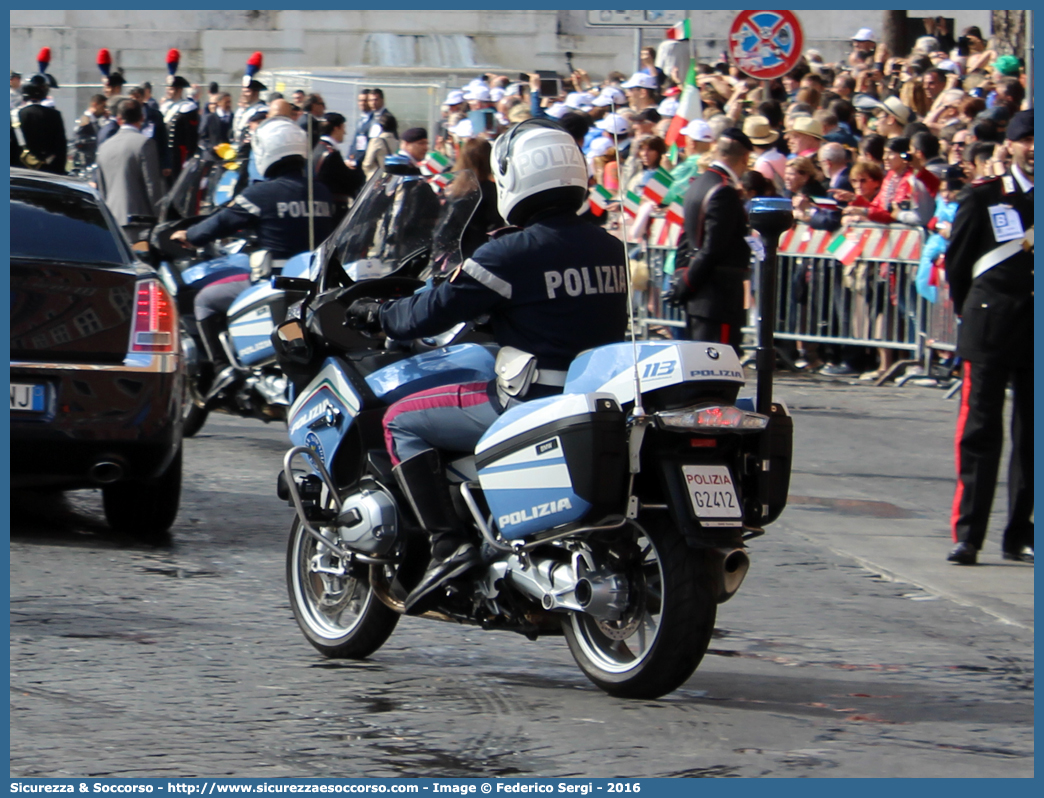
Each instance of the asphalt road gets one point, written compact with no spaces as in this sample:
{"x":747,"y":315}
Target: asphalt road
{"x":186,"y":661}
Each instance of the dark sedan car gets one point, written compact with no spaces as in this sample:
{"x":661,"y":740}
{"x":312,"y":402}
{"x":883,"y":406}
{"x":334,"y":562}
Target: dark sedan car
{"x":96,"y":371}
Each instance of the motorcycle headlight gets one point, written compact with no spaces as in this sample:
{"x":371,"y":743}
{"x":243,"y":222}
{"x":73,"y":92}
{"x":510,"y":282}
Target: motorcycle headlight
{"x":711,"y":418}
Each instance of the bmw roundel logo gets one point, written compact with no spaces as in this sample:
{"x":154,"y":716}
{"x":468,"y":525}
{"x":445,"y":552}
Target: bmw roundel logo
{"x":713,"y":353}
{"x":312,"y":442}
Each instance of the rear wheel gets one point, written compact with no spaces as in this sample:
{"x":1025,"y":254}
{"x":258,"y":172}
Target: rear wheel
{"x":662,"y":636}
{"x":145,"y":510}
{"x":335,"y":606}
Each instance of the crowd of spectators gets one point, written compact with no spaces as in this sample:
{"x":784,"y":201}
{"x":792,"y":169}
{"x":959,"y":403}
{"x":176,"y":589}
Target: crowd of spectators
{"x":875,"y":136}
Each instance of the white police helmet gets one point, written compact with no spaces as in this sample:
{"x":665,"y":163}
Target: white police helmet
{"x":277,"y":138}
{"x":537,"y":165}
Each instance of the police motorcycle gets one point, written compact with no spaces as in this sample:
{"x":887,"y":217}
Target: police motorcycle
{"x":256,"y":387}
{"x":616,"y":513}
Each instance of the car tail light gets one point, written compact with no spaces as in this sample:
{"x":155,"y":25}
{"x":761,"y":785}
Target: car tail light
{"x":155,"y":320}
{"x":711,"y":418}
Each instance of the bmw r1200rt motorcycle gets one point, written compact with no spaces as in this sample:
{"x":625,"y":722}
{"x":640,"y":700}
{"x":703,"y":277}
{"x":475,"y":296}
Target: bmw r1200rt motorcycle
{"x":616,"y":514}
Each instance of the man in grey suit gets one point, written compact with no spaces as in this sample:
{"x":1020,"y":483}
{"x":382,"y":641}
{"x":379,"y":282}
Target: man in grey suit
{"x":130,"y":179}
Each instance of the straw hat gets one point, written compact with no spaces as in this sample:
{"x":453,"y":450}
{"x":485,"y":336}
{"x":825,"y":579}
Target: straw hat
{"x":759,"y":131}
{"x":807,"y":125}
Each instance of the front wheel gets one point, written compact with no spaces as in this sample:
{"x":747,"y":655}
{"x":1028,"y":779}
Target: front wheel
{"x":664,"y":632}
{"x":335,"y":607}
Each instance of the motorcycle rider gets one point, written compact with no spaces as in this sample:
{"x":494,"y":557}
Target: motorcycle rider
{"x":277,"y":208}
{"x":552,"y":286}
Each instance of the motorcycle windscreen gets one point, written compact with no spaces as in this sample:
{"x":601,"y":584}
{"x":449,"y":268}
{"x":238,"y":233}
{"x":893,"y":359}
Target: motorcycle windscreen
{"x":399,"y":225}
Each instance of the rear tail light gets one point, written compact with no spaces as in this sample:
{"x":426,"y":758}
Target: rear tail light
{"x":711,"y":418}
{"x":155,"y":319}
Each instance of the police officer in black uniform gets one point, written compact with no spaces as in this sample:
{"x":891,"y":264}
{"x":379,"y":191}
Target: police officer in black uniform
{"x":989,"y":265}
{"x":181,"y":117}
{"x":552,"y":287}
{"x":711,"y":285}
{"x":277,"y":208}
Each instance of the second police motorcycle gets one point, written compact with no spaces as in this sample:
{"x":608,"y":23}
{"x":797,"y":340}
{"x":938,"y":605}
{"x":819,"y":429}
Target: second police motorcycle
{"x":616,"y":513}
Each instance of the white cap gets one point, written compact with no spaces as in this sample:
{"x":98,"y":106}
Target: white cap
{"x":455,"y":97}
{"x":610,"y":95}
{"x":477,"y":92}
{"x":864,"y":35}
{"x":668,"y":107}
{"x":558,"y":110}
{"x":613,"y":123}
{"x":599,"y":146}
{"x":496,"y":95}
{"x":579,"y":99}
{"x":641,"y":80}
{"x":698,"y":130}
{"x":949,"y":66}
{"x":463,"y":129}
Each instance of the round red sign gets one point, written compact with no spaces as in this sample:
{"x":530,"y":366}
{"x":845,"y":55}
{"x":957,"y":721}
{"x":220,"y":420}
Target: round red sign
{"x":765,"y":44}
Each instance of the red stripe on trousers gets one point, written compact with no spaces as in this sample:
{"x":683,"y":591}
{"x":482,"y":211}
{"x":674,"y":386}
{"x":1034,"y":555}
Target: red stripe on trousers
{"x":464,"y":395}
{"x":725,"y":332}
{"x":962,"y":420}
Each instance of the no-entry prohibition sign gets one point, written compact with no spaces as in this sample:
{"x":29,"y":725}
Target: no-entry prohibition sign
{"x":765,"y":44}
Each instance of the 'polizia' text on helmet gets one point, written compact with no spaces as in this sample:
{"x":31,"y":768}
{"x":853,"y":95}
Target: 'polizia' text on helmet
{"x":275,"y":139}
{"x":537,"y":165}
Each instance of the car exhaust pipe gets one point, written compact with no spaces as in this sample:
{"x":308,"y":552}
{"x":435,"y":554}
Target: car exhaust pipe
{"x":729,"y":567}
{"x":105,"y":472}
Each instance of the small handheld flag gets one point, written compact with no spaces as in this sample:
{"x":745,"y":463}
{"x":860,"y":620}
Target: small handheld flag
{"x":659,"y":184}
{"x":600,"y":199}
{"x":680,"y":30}
{"x":435,"y":163}
{"x":631,"y":203}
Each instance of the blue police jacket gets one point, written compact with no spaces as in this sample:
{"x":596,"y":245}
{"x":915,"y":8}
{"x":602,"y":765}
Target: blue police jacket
{"x":278,"y":210}
{"x":553,"y":289}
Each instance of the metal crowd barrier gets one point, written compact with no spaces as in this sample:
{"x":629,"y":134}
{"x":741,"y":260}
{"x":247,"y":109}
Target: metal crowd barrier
{"x":869,"y":300}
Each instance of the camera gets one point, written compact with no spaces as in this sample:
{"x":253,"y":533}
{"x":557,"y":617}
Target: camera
{"x":963,"y":47}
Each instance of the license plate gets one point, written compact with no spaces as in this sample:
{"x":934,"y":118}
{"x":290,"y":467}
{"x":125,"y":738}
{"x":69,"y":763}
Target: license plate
{"x":28,"y":398}
{"x":713,"y":495}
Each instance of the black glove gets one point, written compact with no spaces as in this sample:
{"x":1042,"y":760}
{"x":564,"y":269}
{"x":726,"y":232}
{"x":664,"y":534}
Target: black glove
{"x":364,"y":315}
{"x":679,"y":292}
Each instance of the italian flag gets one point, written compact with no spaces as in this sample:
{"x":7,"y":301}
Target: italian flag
{"x":600,"y":199}
{"x":440,"y":181}
{"x":435,"y":163}
{"x":689,"y":106}
{"x":675,"y":213}
{"x":631,"y":201}
{"x":658,"y":186}
{"x":847,"y":249}
{"x":680,"y":30}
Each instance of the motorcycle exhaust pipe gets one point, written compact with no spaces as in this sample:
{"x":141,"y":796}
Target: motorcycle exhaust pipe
{"x":105,"y":472}
{"x":603,"y":597}
{"x":729,"y":568}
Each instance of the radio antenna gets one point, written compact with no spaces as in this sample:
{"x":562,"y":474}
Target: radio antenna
{"x":639,"y":410}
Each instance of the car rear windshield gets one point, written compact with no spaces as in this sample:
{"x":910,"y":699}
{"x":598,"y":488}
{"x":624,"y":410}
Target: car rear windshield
{"x":61,"y":226}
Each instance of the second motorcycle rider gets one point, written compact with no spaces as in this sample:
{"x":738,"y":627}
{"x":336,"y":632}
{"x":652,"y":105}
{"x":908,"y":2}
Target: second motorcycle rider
{"x":552,"y":285}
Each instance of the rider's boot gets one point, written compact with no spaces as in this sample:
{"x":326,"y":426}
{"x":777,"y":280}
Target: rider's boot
{"x":210,"y":330}
{"x":424,"y":482}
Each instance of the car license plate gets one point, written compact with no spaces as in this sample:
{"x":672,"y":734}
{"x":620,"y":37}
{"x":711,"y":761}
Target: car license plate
{"x":713,"y":495}
{"x":28,"y":398}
